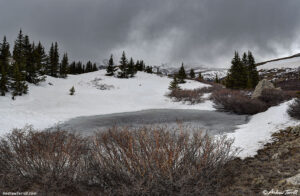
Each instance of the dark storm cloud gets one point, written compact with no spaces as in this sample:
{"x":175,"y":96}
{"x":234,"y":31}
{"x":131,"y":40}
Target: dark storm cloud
{"x":160,"y":31}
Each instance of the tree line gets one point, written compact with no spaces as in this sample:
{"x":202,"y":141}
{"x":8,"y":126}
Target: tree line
{"x":126,"y":68}
{"x":29,"y":63}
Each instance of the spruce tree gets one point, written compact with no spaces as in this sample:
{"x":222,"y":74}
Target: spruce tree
{"x":217,"y":79}
{"x":131,"y":70}
{"x":18,"y":85}
{"x":19,"y":53}
{"x":31,"y":75}
{"x":253,"y":77}
{"x":200,"y":76}
{"x":95,"y":67}
{"x":192,"y":73}
{"x":40,"y":60}
{"x":110,"y":70}
{"x":237,"y":76}
{"x":174,"y":84}
{"x":4,"y":66}
{"x":149,"y":69}
{"x":72,"y":90}
{"x":89,"y":67}
{"x":123,"y":67}
{"x":181,"y":74}
{"x":53,"y":60}
{"x":64,"y":66}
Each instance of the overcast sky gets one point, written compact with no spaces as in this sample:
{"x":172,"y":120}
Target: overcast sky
{"x":198,"y":32}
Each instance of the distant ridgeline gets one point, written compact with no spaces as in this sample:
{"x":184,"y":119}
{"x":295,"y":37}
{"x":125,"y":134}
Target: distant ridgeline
{"x":29,"y":63}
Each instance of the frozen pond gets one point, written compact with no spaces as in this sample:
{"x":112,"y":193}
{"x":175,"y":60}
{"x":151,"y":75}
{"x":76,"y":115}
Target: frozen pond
{"x":212,"y":121}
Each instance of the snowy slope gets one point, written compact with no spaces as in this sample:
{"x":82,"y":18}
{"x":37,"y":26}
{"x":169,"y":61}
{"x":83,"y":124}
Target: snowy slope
{"x":281,"y":64}
{"x":250,"y":137}
{"x":47,"y":104}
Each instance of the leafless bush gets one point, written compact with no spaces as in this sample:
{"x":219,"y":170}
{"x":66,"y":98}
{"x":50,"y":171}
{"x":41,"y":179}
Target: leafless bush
{"x":46,"y":161}
{"x":274,"y":97}
{"x":158,"y":162}
{"x":192,"y":96}
{"x":117,"y":162}
{"x":291,"y":84}
{"x":294,"y":109}
{"x":237,"y":102}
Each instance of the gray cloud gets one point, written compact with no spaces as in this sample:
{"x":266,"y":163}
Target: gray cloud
{"x":159,"y":31}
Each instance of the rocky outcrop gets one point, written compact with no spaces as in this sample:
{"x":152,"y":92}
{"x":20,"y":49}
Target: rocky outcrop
{"x":262,"y":85}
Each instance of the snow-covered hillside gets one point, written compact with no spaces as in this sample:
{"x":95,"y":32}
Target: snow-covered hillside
{"x":281,"y":64}
{"x":250,"y":137}
{"x":50,"y":102}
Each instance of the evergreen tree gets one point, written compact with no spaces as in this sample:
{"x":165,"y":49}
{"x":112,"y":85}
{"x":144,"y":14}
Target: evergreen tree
{"x":123,"y":67}
{"x":245,"y":59}
{"x":19,"y":53}
{"x":253,"y":77}
{"x":148,"y":69}
{"x":30,"y":69}
{"x":131,"y":70}
{"x":18,"y":85}
{"x":110,"y":70}
{"x":40,"y":60}
{"x":181,"y":74}
{"x":174,"y":84}
{"x":192,"y":73}
{"x":200,"y":76}
{"x":89,"y":67}
{"x":95,"y":67}
{"x":72,"y":90}
{"x":217,"y":79}
{"x":4,"y":66}
{"x":53,"y":60}
{"x":64,"y":66}
{"x":237,"y":77}
{"x":72,"y":68}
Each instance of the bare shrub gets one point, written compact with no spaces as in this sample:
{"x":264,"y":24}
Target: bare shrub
{"x":158,"y":162}
{"x":294,"y":109}
{"x":291,"y":84}
{"x":192,"y":96}
{"x":117,"y":162}
{"x":46,"y":161}
{"x":237,"y":102}
{"x":274,"y":97}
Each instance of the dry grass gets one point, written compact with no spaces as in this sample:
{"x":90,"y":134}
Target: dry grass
{"x":116,"y":162}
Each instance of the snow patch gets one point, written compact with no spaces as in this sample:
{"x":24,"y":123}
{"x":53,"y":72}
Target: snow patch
{"x":252,"y":136}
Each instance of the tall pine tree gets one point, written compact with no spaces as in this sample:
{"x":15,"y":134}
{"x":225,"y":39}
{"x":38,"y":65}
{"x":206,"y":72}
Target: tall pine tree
{"x":4,"y":66}
{"x":237,"y":76}
{"x":181,"y":74}
{"x":110,"y":70}
{"x":123,"y":66}
{"x":131,"y":70}
{"x":192,"y":73}
{"x":53,"y":60}
{"x":63,"y":70}
{"x":253,"y":77}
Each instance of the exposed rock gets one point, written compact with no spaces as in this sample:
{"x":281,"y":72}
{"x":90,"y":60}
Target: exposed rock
{"x":295,"y":180}
{"x":262,"y":85}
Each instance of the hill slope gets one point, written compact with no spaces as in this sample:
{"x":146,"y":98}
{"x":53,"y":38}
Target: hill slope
{"x":50,"y":102}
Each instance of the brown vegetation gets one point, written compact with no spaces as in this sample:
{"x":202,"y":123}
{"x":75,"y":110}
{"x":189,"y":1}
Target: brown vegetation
{"x":239,"y":102}
{"x":116,"y":162}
